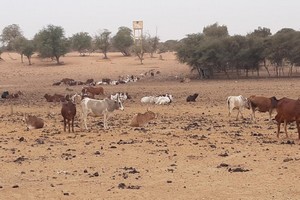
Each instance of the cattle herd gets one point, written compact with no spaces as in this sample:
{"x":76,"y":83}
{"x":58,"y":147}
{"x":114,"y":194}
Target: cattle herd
{"x":288,"y":110}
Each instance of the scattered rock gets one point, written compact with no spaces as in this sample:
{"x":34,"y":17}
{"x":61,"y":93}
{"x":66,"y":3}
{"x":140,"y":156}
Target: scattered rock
{"x":223,"y":154}
{"x":222,"y":165}
{"x":238,"y":169}
{"x":288,"y":159}
{"x":20,"y":159}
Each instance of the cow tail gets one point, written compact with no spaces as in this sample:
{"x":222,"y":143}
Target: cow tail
{"x":228,"y":98}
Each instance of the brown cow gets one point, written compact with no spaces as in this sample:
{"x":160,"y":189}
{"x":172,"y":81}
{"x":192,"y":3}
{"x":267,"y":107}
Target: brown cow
{"x":68,"y":111}
{"x":33,"y":122}
{"x":288,"y":110}
{"x":55,"y":98}
{"x":92,"y":90}
{"x":262,"y":104}
{"x":142,"y":119}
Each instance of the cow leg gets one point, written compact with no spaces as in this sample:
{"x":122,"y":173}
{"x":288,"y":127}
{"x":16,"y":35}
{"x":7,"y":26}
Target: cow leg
{"x":237,"y":116}
{"x":298,"y":128}
{"x":73,"y":124}
{"x":105,"y":120}
{"x":278,"y":129}
{"x":253,"y":115}
{"x":65,"y":124}
{"x":241,"y":109}
{"x":84,"y":116}
{"x":69,"y":124}
{"x":285,"y":128}
{"x":270,"y":115}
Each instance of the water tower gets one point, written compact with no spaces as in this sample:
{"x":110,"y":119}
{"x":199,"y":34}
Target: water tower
{"x":138,"y":33}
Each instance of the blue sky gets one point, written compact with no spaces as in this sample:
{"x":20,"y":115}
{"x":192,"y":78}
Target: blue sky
{"x":170,"y":19}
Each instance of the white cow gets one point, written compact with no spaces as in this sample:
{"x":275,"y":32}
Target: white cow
{"x":149,"y":99}
{"x":100,"y":107}
{"x":166,"y":99}
{"x":121,"y":95}
{"x":239,"y":103}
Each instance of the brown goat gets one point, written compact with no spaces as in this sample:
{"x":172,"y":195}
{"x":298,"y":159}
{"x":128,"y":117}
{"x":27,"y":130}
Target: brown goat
{"x":33,"y":122}
{"x":262,"y":104}
{"x":192,"y":98}
{"x":288,"y":110}
{"x":142,"y":119}
{"x":68,"y":111}
{"x":92,"y":90}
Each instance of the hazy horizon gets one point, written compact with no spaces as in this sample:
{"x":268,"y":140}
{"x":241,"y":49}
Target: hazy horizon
{"x":169,"y":20}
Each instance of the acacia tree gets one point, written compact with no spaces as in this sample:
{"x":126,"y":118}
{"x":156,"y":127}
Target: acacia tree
{"x":123,"y":40}
{"x":153,"y":45}
{"x":169,"y":45}
{"x":28,"y":49}
{"x":262,"y":37}
{"x":51,"y":42}
{"x":9,"y":34}
{"x":103,"y":42}
{"x":292,"y":45}
{"x":18,"y":45}
{"x":81,"y":42}
{"x":280,"y":48}
{"x":1,"y":51}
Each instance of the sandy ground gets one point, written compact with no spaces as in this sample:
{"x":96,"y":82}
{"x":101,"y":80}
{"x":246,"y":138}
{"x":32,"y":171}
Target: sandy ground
{"x":191,"y":151}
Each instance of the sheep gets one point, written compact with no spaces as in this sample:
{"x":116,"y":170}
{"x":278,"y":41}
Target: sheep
{"x":262,"y":104}
{"x":192,"y":98}
{"x":288,"y":110}
{"x":142,"y":119}
{"x":68,"y":111}
{"x":33,"y":122}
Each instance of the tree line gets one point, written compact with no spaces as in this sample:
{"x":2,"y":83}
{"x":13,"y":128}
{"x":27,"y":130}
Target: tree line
{"x":214,"y":52}
{"x":50,"y":42}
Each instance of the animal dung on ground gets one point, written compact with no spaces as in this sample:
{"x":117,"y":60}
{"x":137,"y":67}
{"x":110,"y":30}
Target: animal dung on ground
{"x":142,"y":119}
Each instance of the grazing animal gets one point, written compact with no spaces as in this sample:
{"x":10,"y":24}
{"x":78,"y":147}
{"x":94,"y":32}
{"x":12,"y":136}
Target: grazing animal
{"x":100,"y":107}
{"x":288,"y":110}
{"x":67,"y":81}
{"x":90,"y":82}
{"x":92,"y":90}
{"x":192,"y":98}
{"x":4,"y":94}
{"x":162,"y":100}
{"x":262,"y":104}
{"x":76,"y":98}
{"x":14,"y":95}
{"x":55,"y":98}
{"x":68,"y":111}
{"x":142,"y":119}
{"x":148,"y":99}
{"x":121,"y":95}
{"x":239,"y":103}
{"x":33,"y":122}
